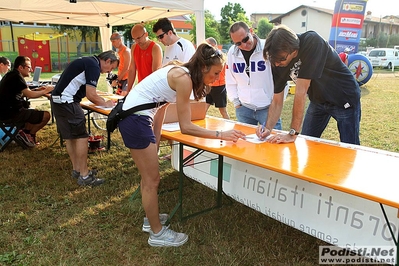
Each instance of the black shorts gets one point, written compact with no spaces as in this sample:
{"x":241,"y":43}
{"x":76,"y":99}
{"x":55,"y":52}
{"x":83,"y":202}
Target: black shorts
{"x":123,"y":85}
{"x":217,"y":96}
{"x":24,"y":115}
{"x":70,"y":120}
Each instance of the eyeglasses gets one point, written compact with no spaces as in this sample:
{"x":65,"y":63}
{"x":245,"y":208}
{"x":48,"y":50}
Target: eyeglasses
{"x":281,"y":59}
{"x":28,"y":67}
{"x":217,"y":53}
{"x":138,"y":38}
{"x":242,"y":41}
{"x":160,"y":36}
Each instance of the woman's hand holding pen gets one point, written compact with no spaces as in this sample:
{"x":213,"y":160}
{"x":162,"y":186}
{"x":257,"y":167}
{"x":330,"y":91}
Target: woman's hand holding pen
{"x":232,"y":135}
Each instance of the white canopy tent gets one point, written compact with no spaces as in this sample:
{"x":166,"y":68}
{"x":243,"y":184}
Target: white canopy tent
{"x":101,"y":13}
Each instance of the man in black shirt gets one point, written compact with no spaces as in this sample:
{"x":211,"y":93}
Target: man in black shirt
{"x":319,"y":73}
{"x":13,"y":107}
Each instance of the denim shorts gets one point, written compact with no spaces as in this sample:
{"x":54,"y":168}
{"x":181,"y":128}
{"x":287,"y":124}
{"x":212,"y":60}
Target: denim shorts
{"x":136,"y":131}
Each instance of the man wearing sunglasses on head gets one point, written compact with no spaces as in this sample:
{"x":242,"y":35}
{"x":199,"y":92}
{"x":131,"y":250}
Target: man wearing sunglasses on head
{"x":249,"y":80}
{"x":176,"y":48}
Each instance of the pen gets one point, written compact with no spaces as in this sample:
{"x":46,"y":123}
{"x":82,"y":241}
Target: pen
{"x":263,"y":127}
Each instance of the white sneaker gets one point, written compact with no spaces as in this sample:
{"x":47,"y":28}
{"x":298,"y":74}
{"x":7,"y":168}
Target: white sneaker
{"x":167,"y":238}
{"x":163,"y":217}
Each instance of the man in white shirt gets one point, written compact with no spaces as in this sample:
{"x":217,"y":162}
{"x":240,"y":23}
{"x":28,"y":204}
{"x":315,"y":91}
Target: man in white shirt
{"x":176,"y":48}
{"x":249,"y":80}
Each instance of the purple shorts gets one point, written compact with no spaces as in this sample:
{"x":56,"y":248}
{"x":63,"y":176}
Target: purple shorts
{"x":136,"y":131}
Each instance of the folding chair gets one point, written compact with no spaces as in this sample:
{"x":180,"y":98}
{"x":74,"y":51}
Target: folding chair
{"x":8,"y":133}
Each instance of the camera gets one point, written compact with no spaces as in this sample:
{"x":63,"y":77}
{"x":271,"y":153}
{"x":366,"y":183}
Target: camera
{"x":111,"y":77}
{"x":112,"y":81}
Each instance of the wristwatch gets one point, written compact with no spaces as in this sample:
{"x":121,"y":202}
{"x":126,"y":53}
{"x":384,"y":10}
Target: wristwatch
{"x":293,"y":132}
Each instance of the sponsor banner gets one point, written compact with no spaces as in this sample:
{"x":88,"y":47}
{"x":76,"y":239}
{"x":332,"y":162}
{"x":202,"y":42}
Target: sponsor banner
{"x":354,"y":21}
{"x":341,"y":45}
{"x":347,"y":24}
{"x":348,"y":7}
{"x":362,"y":255}
{"x":346,"y":34}
{"x":354,"y":7}
{"x":335,"y":217}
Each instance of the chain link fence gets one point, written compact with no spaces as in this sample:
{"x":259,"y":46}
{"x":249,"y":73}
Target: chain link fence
{"x":61,"y":51}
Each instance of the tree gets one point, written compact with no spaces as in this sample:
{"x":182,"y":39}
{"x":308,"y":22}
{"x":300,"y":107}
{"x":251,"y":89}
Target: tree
{"x":211,"y":27}
{"x":264,"y":27}
{"x":74,"y":32}
{"x":126,"y":30}
{"x":230,"y":13}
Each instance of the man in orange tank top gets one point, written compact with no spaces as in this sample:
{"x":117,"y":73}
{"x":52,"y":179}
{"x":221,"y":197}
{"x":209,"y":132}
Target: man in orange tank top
{"x":146,"y":55}
{"x":124,"y":61}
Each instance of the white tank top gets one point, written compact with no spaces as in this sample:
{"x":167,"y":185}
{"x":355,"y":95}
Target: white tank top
{"x":154,"y":88}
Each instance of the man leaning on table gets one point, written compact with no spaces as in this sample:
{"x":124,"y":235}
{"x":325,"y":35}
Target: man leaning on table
{"x":79,"y":80}
{"x":319,"y":73}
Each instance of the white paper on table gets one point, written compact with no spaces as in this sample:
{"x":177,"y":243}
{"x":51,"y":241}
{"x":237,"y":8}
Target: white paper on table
{"x":104,"y":108}
{"x":254,"y":139}
{"x":115,"y":97}
{"x":86,"y":102}
{"x":171,"y":126}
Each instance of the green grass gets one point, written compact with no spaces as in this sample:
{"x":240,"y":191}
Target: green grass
{"x":47,"y":219}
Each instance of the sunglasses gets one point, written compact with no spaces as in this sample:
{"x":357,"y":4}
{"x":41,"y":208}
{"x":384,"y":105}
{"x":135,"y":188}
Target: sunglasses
{"x":160,"y":36}
{"x":217,"y":53}
{"x":245,"y":40}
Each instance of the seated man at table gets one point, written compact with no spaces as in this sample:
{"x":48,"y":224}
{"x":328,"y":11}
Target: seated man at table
{"x":4,"y":65}
{"x":79,"y":80}
{"x":13,"y":107}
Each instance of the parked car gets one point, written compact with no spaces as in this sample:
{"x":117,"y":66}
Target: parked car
{"x":384,"y":57}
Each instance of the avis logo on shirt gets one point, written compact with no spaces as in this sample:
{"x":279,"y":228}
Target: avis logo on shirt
{"x":253,"y":67}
